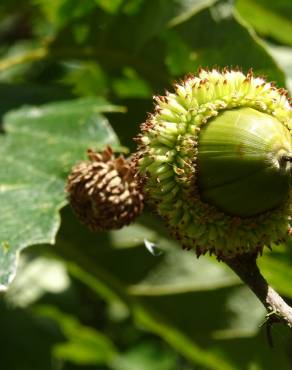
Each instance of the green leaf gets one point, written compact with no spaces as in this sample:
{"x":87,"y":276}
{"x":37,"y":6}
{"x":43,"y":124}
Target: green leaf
{"x":86,"y":79}
{"x":35,"y":278}
{"x":278,"y":272}
{"x":283,"y":56}
{"x":109,"y":6}
{"x":84,"y":346}
{"x":132,"y":236}
{"x":87,"y":346}
{"x":246,"y":315}
{"x":268,"y":17}
{"x":174,"y":271}
{"x":156,"y":16}
{"x":171,"y":39}
{"x":131,"y":85}
{"x":198,"y":323}
{"x":40,"y":146}
{"x":181,"y":272}
{"x":208,"y":39}
{"x":57,"y":13}
{"x":145,"y":356}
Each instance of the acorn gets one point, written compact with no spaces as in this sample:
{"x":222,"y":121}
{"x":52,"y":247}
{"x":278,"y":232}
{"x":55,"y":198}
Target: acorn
{"x":104,"y":191}
{"x":215,"y":158}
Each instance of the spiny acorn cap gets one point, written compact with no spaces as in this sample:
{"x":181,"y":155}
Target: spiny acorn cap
{"x":219,"y":138}
{"x":104,"y":191}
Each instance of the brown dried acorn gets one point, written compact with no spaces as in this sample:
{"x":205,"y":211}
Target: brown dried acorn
{"x":104,"y":192}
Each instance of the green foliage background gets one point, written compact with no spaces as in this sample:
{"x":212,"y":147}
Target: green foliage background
{"x":77,"y":74}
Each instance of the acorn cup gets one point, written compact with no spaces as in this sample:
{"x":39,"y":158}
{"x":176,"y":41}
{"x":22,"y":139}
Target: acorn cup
{"x":104,"y":191}
{"x":216,"y":157}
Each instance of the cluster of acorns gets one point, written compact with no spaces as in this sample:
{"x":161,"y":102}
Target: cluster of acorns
{"x":214,"y":159}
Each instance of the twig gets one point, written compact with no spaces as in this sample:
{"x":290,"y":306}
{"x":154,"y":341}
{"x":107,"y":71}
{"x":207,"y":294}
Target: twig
{"x":246,"y":268}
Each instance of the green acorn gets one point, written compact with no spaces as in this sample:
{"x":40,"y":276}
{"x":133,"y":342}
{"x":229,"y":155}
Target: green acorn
{"x":216,"y":161}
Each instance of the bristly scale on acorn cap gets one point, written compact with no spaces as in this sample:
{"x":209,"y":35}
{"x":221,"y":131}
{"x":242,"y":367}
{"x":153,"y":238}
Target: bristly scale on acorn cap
{"x":104,"y":191}
{"x":216,"y":158}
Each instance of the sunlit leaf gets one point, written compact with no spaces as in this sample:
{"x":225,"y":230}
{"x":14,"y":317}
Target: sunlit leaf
{"x":39,"y":148}
{"x":283,"y":55}
{"x":37,"y":277}
{"x":268,"y":17}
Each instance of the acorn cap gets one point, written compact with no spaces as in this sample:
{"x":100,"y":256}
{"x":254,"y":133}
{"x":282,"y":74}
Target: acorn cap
{"x":104,"y":191}
{"x":216,"y":158}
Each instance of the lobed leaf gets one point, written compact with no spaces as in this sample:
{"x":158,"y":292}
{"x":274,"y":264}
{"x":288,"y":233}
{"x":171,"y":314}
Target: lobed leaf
{"x":40,"y":146}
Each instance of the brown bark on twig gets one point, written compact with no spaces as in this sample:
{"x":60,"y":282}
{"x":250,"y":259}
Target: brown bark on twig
{"x":246,"y":268}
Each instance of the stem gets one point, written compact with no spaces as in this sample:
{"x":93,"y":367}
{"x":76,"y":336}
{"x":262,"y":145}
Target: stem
{"x":246,"y":268}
